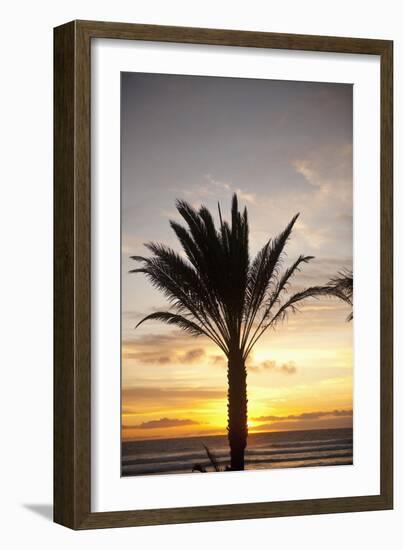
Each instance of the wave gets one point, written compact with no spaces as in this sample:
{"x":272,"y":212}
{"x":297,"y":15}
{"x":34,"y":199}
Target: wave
{"x":261,"y":452}
{"x":348,"y":441}
{"x":162,"y":467}
{"x":142,"y":467}
{"x":265,"y":450}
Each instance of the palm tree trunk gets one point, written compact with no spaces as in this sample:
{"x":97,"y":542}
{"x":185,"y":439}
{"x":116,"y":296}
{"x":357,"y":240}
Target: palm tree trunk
{"x":237,"y":410}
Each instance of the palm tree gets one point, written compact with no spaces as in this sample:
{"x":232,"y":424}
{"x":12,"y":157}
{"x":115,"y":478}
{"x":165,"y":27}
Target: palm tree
{"x":213,"y":462}
{"x":341,"y":286}
{"x":218,"y":292}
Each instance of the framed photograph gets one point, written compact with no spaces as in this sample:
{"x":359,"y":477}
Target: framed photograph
{"x":222,"y":275}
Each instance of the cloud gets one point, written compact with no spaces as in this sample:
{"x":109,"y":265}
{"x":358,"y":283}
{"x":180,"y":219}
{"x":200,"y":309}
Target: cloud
{"x":306,"y":416}
{"x":270,"y":365}
{"x":174,"y":348}
{"x":161,"y":349}
{"x":162,"y":423}
{"x":129,"y":410}
{"x":192,"y":355}
{"x":152,"y":339}
{"x":217,"y":183}
{"x":148,"y":357}
{"x":130,"y":243}
{"x":214,"y":188}
{"x":247,"y":197}
{"x":288,"y":368}
{"x":316,"y":236}
{"x":157,"y":395}
{"x":219,"y":360}
{"x":305,"y":168}
{"x":323,"y":269}
{"x":329,"y":170}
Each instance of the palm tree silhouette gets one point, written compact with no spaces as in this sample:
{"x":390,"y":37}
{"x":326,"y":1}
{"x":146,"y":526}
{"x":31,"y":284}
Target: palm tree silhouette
{"x":341,"y":286}
{"x":218,"y":292}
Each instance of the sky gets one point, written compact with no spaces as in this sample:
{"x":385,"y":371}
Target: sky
{"x":284,"y":147}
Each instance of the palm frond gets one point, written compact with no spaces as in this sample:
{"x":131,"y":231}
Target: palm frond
{"x":298,"y":297}
{"x":213,"y":459}
{"x":192,"y":251}
{"x":289,"y":306}
{"x":182,"y":286}
{"x":284,"y":282}
{"x":174,"y":319}
{"x":261,"y":274}
{"x":274,"y":298}
{"x":342,"y":287}
{"x":216,"y":287}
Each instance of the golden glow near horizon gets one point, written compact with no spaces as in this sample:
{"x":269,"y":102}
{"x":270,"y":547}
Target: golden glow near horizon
{"x":182,"y":388}
{"x":284,"y":147}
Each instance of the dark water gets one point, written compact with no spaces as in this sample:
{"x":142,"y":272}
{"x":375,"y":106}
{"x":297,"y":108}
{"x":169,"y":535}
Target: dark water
{"x":265,"y":450}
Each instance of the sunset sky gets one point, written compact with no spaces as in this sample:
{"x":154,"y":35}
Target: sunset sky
{"x":283,"y":147}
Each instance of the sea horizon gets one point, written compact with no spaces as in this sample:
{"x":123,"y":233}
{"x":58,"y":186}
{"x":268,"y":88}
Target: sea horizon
{"x":221,"y":434}
{"x":265,"y":450}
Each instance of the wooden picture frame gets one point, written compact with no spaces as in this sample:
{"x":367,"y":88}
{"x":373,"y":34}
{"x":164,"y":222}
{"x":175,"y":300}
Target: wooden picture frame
{"x":72,"y":271}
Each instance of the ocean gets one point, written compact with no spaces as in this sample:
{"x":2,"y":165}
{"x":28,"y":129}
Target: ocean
{"x":295,"y":449}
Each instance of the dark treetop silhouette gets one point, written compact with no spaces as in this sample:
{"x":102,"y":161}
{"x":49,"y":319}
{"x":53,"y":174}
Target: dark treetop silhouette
{"x":218,"y":292}
{"x":341,"y":286}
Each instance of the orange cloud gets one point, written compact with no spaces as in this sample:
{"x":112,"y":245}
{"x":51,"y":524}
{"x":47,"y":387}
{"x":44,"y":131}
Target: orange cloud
{"x":192,"y":355}
{"x":161,"y":349}
{"x":162,"y":423}
{"x":157,"y":400}
{"x":337,"y":418}
{"x":286,"y":368}
{"x":306,"y":415}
